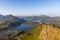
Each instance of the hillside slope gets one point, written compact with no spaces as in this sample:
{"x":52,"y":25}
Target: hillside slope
{"x":40,"y":32}
{"x":43,"y":32}
{"x":49,"y":33}
{"x":32,"y":34}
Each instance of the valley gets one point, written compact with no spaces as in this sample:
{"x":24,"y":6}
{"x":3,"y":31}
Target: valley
{"x":30,"y":28}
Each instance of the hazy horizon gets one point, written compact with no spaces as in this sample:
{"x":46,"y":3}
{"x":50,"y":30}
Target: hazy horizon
{"x":30,"y":7}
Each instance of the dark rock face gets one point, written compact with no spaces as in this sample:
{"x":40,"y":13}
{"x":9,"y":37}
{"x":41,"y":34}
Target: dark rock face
{"x":10,"y":21}
{"x":12,"y":36}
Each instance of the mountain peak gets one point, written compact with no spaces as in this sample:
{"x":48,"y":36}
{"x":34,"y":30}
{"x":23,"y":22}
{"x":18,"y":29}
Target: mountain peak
{"x":44,"y":16}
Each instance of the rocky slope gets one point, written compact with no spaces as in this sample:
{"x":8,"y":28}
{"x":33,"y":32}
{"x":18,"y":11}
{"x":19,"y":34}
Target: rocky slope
{"x":49,"y":33}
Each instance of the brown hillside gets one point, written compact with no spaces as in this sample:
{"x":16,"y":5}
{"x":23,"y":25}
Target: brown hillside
{"x":49,"y":33}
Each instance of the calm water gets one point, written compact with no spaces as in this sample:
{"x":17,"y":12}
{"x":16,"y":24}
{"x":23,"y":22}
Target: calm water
{"x":24,"y":27}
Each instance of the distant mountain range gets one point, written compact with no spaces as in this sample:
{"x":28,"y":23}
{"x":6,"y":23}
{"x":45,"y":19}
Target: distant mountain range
{"x":7,"y":17}
{"x":43,"y":17}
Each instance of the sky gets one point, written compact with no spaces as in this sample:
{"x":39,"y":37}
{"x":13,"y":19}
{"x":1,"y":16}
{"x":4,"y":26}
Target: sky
{"x":30,"y":7}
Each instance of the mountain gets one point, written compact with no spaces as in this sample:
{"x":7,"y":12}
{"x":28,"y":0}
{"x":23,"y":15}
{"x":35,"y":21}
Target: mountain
{"x":10,"y":21}
{"x":49,"y":33}
{"x":43,"y":18}
{"x":7,"y":17}
{"x":42,"y":32}
{"x":30,"y":18}
{"x":1,"y":16}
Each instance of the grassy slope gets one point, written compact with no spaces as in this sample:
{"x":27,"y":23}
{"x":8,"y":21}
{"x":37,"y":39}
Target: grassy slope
{"x":32,"y":34}
{"x":50,"y":33}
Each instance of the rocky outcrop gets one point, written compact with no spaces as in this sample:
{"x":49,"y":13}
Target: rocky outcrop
{"x":12,"y":36}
